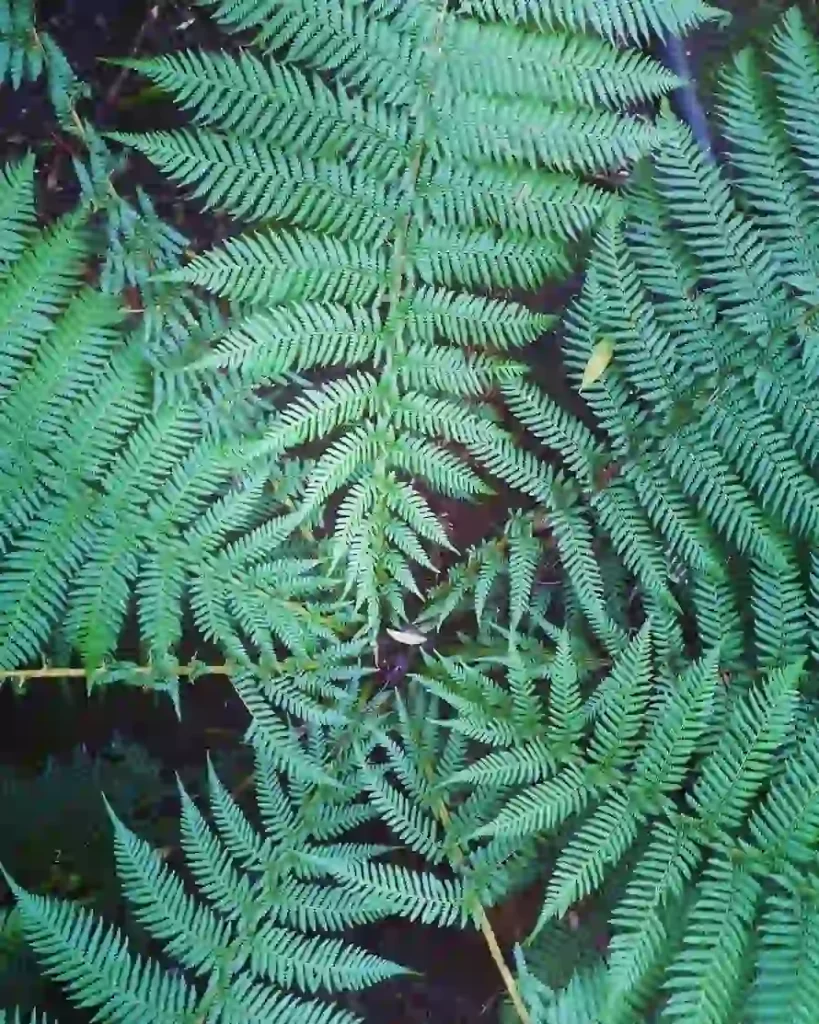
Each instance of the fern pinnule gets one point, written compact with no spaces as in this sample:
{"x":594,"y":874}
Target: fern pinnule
{"x":17,"y":210}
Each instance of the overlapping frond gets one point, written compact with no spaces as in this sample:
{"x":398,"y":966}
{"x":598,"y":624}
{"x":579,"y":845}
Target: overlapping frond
{"x":17,"y":210}
{"x":229,"y":942}
{"x":404,"y":160}
{"x":701,"y":295}
{"x":621,"y":19}
{"x":107,"y":494}
{"x":682,"y":877}
{"x":634,"y":724}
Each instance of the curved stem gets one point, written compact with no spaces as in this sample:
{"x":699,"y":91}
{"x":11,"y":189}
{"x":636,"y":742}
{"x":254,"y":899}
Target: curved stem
{"x":685,"y":100}
{"x":485,"y":924}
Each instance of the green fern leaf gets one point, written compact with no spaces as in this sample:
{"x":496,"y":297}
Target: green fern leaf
{"x":706,"y":981}
{"x":786,"y":978}
{"x":655,"y":891}
{"x":416,"y":895}
{"x":760,"y":722}
{"x":96,"y":966}
{"x":17,"y":210}
{"x":601,"y":842}
{"x":398,"y":201}
{"x":312,"y":963}
{"x":543,"y":807}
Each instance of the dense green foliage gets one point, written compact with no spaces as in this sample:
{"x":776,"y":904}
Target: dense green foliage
{"x":621,"y":703}
{"x":434,"y":171}
{"x":248,"y":936}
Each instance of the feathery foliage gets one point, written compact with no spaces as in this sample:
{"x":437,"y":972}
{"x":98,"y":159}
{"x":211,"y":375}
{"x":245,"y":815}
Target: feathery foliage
{"x":632,"y":724}
{"x":667,"y":802}
{"x":249,"y":934}
{"x":684,"y":809}
{"x":702,"y":476}
{"x":402,"y":166}
{"x":106,"y":494}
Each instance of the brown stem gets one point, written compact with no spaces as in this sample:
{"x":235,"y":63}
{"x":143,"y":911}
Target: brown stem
{"x":23,"y":675}
{"x":497,"y":955}
{"x":485,"y":925}
{"x":111,"y":97}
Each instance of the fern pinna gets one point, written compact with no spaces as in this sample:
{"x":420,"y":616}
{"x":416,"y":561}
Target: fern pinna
{"x":697,"y":490}
{"x":406,"y":164}
{"x":250,"y":939}
{"x":105,"y":491}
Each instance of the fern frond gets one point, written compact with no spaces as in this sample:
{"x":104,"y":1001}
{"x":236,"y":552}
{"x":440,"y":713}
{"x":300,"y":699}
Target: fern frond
{"x":655,"y":891}
{"x":785,"y":825}
{"x":771,"y":177}
{"x":293,"y":338}
{"x":313,"y":964}
{"x":21,"y":55}
{"x":17,"y":210}
{"x":404,"y":817}
{"x":761,"y":721}
{"x":190,"y":933}
{"x":256,"y":99}
{"x":787,"y":975}
{"x":574,"y":542}
{"x":787,"y":395}
{"x":405,"y":181}
{"x":617,"y":707}
{"x":543,"y":807}
{"x":40,"y":281}
{"x":96,"y":966}
{"x":519,"y":766}
{"x":602,"y":840}
{"x":707,"y":980}
{"x":684,"y":716}
{"x":418,"y":896}
{"x":252,"y":181}
{"x":472,"y":319}
{"x":619,"y":19}
{"x":731,"y":251}
{"x":266,"y":269}
{"x":796,"y":76}
{"x":779,"y":616}
{"x":600,"y":73}
{"x":64,"y":370}
{"x":565,"y":704}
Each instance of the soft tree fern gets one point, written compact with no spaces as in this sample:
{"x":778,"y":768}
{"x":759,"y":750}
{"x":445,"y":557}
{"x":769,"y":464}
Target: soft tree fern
{"x":644,"y":744}
{"x":245,"y":933}
{"x":117,"y":494}
{"x":681,"y":798}
{"x":700,"y":292}
{"x":106,"y":493}
{"x":250,"y":935}
{"x":664,"y":804}
{"x":403,"y":162}
{"x":699,"y":488}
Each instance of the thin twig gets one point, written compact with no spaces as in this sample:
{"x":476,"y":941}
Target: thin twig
{"x":111,"y":97}
{"x":485,"y":924}
{"x":24,"y":675}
